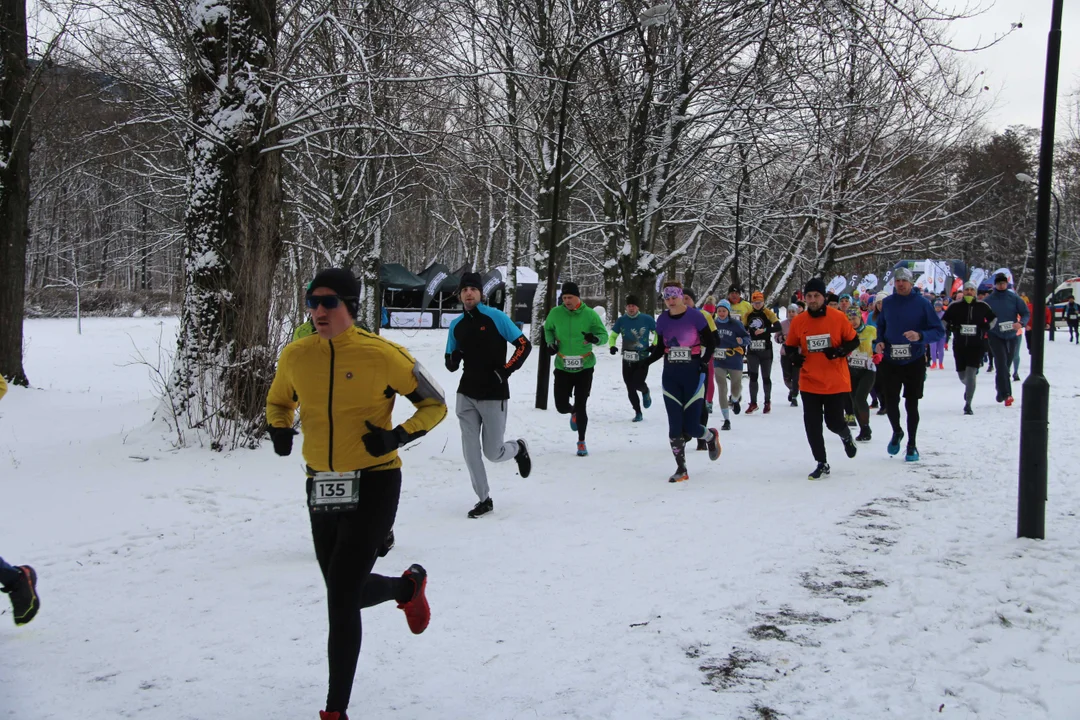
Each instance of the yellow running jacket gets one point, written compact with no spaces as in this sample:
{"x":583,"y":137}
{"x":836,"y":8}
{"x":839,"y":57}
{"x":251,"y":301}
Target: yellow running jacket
{"x":341,"y":383}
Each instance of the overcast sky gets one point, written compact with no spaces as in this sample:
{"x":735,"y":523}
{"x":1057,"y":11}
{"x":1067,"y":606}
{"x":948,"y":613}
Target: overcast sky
{"x":1015,"y":68}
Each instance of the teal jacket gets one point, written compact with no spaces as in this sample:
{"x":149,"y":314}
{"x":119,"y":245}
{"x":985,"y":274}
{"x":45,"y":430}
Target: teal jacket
{"x":569,"y":329}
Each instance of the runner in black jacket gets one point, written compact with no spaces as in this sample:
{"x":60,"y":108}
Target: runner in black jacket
{"x":969,"y":321}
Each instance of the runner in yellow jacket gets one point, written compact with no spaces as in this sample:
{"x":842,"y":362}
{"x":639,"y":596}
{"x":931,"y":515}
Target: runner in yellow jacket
{"x":345,"y":381}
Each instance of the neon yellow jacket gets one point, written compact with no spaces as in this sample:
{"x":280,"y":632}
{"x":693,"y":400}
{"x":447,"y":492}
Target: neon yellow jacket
{"x":341,"y":383}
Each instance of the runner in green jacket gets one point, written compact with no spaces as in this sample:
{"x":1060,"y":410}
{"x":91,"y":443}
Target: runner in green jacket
{"x":570,"y":331}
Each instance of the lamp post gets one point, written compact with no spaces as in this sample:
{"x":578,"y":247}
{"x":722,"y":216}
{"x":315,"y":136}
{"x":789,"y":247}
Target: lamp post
{"x":1035,"y":406}
{"x":1025,"y":178}
{"x":655,"y":15}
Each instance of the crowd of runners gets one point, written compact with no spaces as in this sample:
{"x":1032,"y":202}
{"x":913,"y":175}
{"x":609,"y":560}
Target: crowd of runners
{"x":840,"y":358}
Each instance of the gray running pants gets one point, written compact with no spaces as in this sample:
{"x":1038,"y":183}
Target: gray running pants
{"x":486,"y":418}
{"x":967,"y":376}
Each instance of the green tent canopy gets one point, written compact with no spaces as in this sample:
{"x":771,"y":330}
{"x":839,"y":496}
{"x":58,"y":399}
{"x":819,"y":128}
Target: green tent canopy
{"x":395,"y":278}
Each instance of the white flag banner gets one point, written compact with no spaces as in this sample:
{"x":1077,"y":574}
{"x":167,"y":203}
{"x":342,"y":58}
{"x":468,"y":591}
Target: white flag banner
{"x":837,"y":284}
{"x":659,"y":282}
{"x":869,"y":282}
{"x":941,"y":276}
{"x":977,"y":276}
{"x":925,"y":281}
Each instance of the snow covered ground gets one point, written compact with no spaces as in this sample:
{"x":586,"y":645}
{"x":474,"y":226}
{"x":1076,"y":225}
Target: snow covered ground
{"x":182,"y":584}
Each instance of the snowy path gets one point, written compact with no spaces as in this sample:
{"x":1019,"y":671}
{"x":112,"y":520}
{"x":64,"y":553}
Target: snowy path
{"x":183,"y":585}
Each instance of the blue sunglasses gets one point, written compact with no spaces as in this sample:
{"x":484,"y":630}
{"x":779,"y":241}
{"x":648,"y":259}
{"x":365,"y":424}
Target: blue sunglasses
{"x":330,"y":302}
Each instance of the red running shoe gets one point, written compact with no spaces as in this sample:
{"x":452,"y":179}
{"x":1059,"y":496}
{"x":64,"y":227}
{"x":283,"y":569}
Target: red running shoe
{"x":1009,"y":401}
{"x":751,"y":408}
{"x":767,"y":409}
{"x":417,"y":611}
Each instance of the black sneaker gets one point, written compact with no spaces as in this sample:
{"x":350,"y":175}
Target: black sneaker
{"x":388,"y":544}
{"x":736,"y":407}
{"x":726,"y":425}
{"x":794,"y":402}
{"x":23,"y":594}
{"x":1016,"y":377}
{"x":849,"y":446}
{"x":882,"y":411}
{"x":850,"y":420}
{"x":482,"y":508}
{"x":524,"y":462}
{"x":819,"y":471}
{"x":701,"y":446}
{"x":967,"y":410}
{"x":680,"y":475}
{"x":864,"y":435}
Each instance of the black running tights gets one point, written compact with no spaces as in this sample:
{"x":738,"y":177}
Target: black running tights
{"x":579,"y":384}
{"x":346,"y":545}
{"x":829,"y":408}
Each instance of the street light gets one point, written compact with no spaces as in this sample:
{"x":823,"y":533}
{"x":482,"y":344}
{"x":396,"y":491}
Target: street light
{"x":1025,"y":178}
{"x":655,"y":15}
{"x":1035,"y":406}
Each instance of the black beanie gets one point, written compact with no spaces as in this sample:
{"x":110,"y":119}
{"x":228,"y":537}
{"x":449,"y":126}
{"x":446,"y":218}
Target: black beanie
{"x":734,"y":289}
{"x":470,"y":280}
{"x":342,"y":282}
{"x":570,"y":288}
{"x":690,"y":294}
{"x":814,"y":285}
{"x":633,"y":300}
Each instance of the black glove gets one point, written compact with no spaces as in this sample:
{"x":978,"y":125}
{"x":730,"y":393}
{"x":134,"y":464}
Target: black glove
{"x":282,"y":439}
{"x":453,"y":360}
{"x":833,"y":352}
{"x":614,"y":350}
{"x":590,"y":338}
{"x":380,"y":442}
{"x":553,"y":348}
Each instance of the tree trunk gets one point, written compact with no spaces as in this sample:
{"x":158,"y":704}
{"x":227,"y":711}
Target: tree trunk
{"x":225,"y":361}
{"x":14,"y":186}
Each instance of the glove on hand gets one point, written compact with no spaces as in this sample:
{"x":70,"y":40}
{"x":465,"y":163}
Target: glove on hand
{"x":553,"y":348}
{"x":614,"y":350}
{"x":282,"y":439}
{"x":833,"y":352}
{"x":379,"y":441}
{"x":590,"y":338}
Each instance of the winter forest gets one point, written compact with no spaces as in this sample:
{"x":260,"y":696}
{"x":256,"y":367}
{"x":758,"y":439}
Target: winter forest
{"x":210,"y":155}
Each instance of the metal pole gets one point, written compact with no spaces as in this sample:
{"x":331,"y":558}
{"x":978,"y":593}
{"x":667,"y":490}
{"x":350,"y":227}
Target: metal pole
{"x":543,"y":365}
{"x":1054,"y":284}
{"x":1035,"y":406}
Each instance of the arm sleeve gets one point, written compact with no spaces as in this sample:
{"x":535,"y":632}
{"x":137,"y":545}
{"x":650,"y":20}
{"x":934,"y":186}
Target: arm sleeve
{"x":406,"y":376}
{"x":849,"y":339}
{"x":451,"y":340}
{"x":281,"y":400}
{"x":506,"y":326}
{"x":614,"y":334}
{"x":774,"y":322}
{"x":655,"y":352}
{"x":522,"y":348}
{"x":881,"y":325}
{"x":708,"y":343}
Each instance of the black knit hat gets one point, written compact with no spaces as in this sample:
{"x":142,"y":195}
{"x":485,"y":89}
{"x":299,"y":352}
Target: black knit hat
{"x":734,"y":289}
{"x":570,"y":288}
{"x":690,"y":294}
{"x":831,"y":297}
{"x":470,"y":280}
{"x":814,"y":285}
{"x":342,"y":282}
{"x":633,"y":300}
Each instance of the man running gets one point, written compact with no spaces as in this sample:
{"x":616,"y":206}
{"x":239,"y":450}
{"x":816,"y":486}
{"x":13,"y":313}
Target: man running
{"x":731,"y":342}
{"x":570,"y":331}
{"x":969,"y":321}
{"x":739,"y":307}
{"x":345,"y":380}
{"x":1011,"y":313}
{"x":761,"y":323}
{"x":478,"y":337}
{"x":690,"y":299}
{"x":636,"y":329}
{"x":863,"y":369}
{"x":685,"y":342}
{"x":787,"y":367}
{"x":907,"y":325}
{"x":1072,"y":319}
{"x":818,"y":342}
